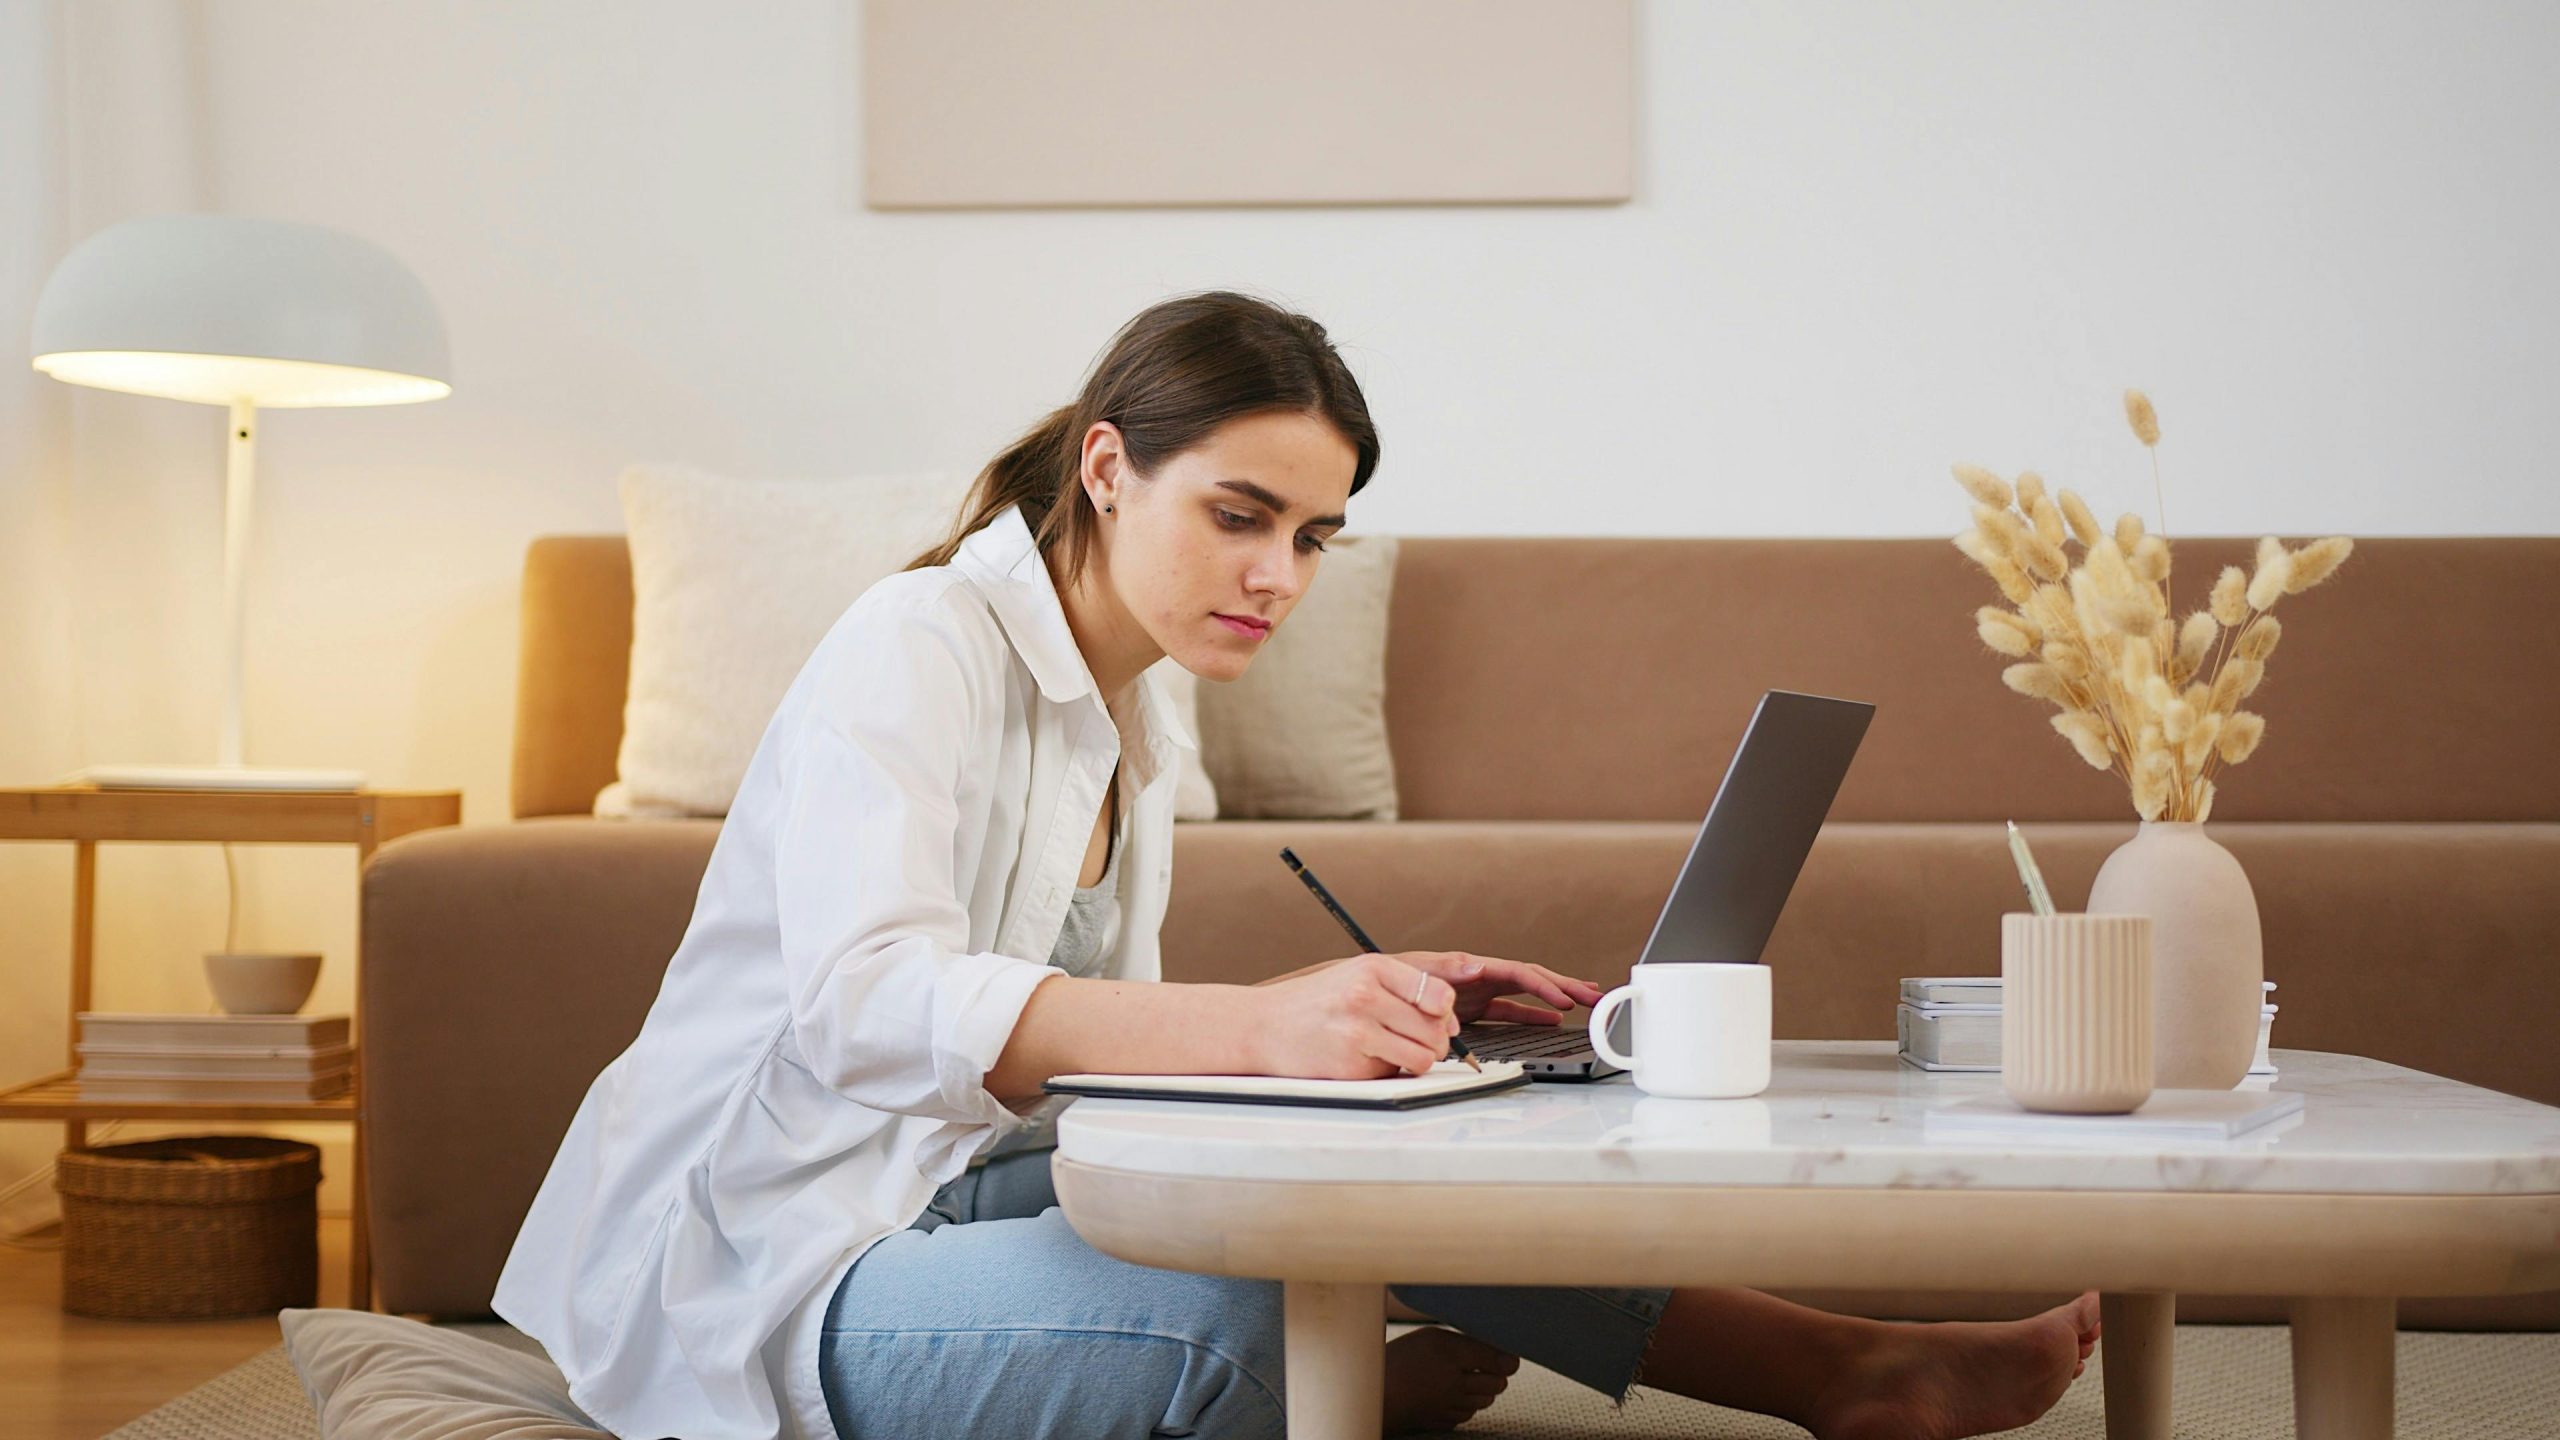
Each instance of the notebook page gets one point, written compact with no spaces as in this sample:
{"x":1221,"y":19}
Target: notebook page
{"x":1448,"y":1075}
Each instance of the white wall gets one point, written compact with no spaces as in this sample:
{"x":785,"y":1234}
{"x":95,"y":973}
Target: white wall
{"x":1870,"y":239}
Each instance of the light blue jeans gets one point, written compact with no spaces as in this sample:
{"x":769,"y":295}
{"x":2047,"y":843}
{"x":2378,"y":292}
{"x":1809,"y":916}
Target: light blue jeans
{"x":990,"y":1316}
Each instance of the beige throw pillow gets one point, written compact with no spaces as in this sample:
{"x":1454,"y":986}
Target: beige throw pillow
{"x":734,"y":582}
{"x":1303,"y":734}
{"x":1194,"y":797}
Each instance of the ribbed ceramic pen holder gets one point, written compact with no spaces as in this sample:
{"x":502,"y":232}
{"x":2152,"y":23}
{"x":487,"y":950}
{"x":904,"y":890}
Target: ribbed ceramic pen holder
{"x":2075,"y":1012}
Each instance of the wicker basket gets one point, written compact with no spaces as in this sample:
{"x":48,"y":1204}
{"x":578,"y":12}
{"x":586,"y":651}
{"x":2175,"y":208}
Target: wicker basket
{"x":190,"y":1228}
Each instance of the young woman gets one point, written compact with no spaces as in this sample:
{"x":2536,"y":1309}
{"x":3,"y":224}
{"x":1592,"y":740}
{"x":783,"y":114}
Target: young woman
{"x":812,"y":1198}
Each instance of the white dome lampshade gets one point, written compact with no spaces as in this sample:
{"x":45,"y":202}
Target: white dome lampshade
{"x":221,"y":308}
{"x":244,"y":313}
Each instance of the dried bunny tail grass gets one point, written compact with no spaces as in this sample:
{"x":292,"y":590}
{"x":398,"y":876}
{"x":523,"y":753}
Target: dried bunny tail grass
{"x":2137,"y":667}
{"x":2001,"y":529}
{"x":2316,"y":561}
{"x":2087,"y":736}
{"x":2195,"y":639}
{"x":2269,"y":547}
{"x":2259,"y":640}
{"x":2268,"y":585}
{"x":2177,"y":718}
{"x":2122,"y":601}
{"x":2237,"y":682}
{"x":2230,"y":605}
{"x":2013,"y":582}
{"x":2003,"y":631}
{"x":2082,"y":520}
{"x":2159,"y":694}
{"x":2240,"y":736}
{"x":2152,"y":772}
{"x":2068,"y":661}
{"x":2129,"y":531}
{"x":2150,"y":558}
{"x":2030,"y":488}
{"x":2010,"y":535}
{"x":2043,"y":558}
{"x":1983,"y":486}
{"x":2003,"y":571}
{"x":2201,"y":735}
{"x":2050,"y":609}
{"x":2144,"y":419}
{"x":2046,"y":517}
{"x":2204,"y":801}
{"x":2029,"y":678}
{"x":2089,"y":608}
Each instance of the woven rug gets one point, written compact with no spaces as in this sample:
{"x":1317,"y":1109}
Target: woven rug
{"x":2234,"y":1382}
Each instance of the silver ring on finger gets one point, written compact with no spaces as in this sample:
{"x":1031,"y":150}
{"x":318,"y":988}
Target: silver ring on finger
{"x":1419,"y":982}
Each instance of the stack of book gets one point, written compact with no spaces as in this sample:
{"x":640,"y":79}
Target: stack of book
{"x":214,"y":1059}
{"x":1952,"y":1022}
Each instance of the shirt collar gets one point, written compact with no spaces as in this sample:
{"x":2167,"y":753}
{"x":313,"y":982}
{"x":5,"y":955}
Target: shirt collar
{"x":1004,"y":560}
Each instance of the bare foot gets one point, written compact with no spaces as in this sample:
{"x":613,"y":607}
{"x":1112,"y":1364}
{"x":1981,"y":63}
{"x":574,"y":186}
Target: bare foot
{"x":1953,"y":1378}
{"x":1437,"y":1379}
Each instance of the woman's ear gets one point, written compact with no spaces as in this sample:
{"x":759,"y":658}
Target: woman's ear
{"x":1104,"y":462}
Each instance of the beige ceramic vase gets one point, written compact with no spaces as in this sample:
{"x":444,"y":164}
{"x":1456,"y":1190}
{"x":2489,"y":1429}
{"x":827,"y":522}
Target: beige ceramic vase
{"x":2207,"y":967}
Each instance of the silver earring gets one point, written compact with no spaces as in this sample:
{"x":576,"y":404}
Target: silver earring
{"x":1107,"y":509}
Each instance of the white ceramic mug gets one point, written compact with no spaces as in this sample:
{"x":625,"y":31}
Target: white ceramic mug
{"x":1701,"y":1031}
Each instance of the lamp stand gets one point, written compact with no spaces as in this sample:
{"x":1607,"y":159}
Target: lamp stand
{"x":227,"y":772}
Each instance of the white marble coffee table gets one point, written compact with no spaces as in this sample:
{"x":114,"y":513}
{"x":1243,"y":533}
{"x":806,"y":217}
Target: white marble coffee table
{"x":2390,"y":1182}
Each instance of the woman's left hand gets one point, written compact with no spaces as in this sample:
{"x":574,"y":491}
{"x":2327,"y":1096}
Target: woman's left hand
{"x":1485,"y":985}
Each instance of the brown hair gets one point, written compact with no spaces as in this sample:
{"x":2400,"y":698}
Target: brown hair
{"x":1177,"y":371}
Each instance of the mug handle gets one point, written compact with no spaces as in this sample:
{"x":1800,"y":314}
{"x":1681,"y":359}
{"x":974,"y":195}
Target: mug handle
{"x":1601,"y":1014}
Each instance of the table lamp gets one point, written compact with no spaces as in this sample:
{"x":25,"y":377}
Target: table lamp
{"x":226,"y":310}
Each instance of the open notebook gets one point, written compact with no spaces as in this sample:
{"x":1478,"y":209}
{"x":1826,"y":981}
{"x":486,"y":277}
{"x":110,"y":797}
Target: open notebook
{"x":1448,"y":1080}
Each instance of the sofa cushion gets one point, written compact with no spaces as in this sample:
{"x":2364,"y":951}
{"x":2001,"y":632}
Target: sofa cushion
{"x":1568,"y":678}
{"x":381,"y":1377}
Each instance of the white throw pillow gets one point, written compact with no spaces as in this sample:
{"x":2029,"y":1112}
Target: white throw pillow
{"x":382,"y":1377}
{"x":1303,"y":734}
{"x":734,"y":582}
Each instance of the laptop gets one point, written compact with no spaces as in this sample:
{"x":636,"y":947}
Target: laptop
{"x":1742,"y":865}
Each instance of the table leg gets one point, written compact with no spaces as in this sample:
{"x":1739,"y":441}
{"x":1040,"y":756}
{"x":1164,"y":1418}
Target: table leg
{"x":84,"y":948}
{"x":359,"y":1233}
{"x":2343,"y":1356}
{"x":2139,"y":1331}
{"x":1337,"y":1359}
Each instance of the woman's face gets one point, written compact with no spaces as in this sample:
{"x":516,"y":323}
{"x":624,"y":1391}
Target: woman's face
{"x":1211,"y":552}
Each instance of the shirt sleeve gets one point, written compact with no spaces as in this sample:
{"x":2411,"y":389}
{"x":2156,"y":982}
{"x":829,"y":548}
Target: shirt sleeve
{"x":889,"y":1006}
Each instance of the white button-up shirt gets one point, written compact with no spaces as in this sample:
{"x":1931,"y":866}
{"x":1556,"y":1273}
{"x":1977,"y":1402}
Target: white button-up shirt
{"x":892,"y":873}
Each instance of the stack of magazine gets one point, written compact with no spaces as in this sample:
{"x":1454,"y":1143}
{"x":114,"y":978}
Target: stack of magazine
{"x":1952,"y":1022}
{"x":214,"y":1059}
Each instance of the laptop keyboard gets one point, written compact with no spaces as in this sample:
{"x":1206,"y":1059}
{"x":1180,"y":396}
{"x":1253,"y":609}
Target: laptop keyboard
{"x":1525,"y":1042}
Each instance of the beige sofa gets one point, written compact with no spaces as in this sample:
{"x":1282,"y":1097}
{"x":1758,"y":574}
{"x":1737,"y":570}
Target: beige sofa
{"x":1560,"y":712}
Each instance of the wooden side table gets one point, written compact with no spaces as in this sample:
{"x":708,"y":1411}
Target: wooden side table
{"x":85,"y":816}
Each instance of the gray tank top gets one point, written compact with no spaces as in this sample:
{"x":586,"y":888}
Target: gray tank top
{"x":1090,"y":911}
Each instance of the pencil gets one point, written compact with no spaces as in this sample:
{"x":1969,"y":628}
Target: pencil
{"x":2039,"y":899}
{"x":1457,"y":1047}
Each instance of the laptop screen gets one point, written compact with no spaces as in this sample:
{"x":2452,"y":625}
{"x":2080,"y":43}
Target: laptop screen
{"x":1758,"y":829}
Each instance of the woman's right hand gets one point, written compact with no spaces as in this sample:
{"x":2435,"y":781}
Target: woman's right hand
{"x":1355,"y":1019}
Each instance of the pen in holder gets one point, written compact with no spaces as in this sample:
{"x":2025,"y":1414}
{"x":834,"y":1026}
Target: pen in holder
{"x":2075,"y":1012}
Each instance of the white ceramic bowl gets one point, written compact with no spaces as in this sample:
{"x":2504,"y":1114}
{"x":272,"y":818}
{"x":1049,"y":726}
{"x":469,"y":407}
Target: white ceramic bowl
{"x":261,"y":982}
